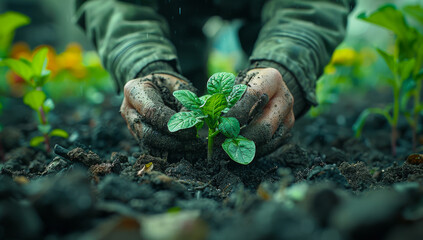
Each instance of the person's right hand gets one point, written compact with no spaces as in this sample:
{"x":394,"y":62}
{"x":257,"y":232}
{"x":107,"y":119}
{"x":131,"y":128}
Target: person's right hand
{"x":147,"y":107}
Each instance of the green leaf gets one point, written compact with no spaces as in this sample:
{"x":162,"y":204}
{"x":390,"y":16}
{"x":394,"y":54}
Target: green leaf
{"x":198,"y":127}
{"x":39,"y":62}
{"x":214,"y":105}
{"x":48,"y":105}
{"x":240,"y":149}
{"x":59,"y":133}
{"x":415,"y":11}
{"x":229,"y":126}
{"x":236,"y":94}
{"x":188,"y":99}
{"x":419,"y":75}
{"x":389,"y":59}
{"x":359,"y":123}
{"x":183,"y":120}
{"x":204,"y":98}
{"x":22,"y":68}
{"x":390,"y":18}
{"x":44,"y":129}
{"x":406,"y":67}
{"x":35,"y":99}
{"x":35,"y":141}
{"x":41,"y":80}
{"x":9,"y":22}
{"x":221,"y":83}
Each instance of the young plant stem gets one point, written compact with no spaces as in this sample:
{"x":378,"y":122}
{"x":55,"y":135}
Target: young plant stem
{"x":395,"y":117}
{"x":47,"y":143}
{"x":210,"y":145}
{"x":416,"y":112}
{"x":1,"y":152}
{"x":210,"y":138}
{"x":43,"y":121}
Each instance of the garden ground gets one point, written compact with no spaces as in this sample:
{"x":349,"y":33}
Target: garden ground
{"x":98,"y":184}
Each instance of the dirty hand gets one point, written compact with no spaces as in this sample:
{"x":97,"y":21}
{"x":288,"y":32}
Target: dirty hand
{"x":147,"y":107}
{"x":266,"y":109}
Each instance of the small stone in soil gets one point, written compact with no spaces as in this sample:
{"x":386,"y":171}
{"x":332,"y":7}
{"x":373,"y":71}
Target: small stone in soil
{"x":88,"y":159}
{"x":101,"y":169}
{"x":118,"y":157}
{"x":55,"y":166}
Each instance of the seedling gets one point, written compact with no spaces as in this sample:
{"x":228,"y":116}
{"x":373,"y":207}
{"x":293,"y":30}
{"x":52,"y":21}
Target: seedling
{"x":35,"y":75}
{"x":406,"y":68}
{"x":222,"y":95}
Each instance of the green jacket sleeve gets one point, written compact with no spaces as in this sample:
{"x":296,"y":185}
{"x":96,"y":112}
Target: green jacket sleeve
{"x":301,"y":36}
{"x":127,"y":36}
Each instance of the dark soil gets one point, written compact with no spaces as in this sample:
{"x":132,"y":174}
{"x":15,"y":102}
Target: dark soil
{"x":99,"y":184}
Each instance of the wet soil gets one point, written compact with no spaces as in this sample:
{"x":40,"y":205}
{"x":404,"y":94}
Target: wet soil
{"x":99,"y":184}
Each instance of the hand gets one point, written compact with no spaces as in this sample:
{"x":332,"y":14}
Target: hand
{"x":148,"y":105}
{"x":266,"y":109}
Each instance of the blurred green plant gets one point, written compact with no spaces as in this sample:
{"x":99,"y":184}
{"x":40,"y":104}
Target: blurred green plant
{"x":348,"y":70}
{"x":35,"y":74}
{"x":1,"y":108}
{"x":219,"y":62}
{"x":9,"y":22}
{"x":1,"y":143}
{"x":75,"y":74}
{"x":405,"y":65}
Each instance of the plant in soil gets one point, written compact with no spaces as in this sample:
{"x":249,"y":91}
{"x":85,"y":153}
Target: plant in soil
{"x":222,"y":95}
{"x":405,"y":65}
{"x":35,"y":75}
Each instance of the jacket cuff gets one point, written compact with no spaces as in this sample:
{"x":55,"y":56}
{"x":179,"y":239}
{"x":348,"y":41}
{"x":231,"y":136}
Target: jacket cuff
{"x":301,"y":105}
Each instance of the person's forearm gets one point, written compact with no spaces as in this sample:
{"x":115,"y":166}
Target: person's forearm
{"x":301,"y":36}
{"x":128,"y":37}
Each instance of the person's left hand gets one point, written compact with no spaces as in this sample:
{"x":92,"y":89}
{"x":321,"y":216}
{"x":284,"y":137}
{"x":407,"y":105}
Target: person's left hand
{"x":266,"y":109}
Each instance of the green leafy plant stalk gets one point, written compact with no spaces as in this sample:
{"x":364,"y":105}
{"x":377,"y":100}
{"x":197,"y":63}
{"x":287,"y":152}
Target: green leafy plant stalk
{"x":10,"y":21}
{"x":1,"y":144}
{"x":405,"y":66}
{"x":416,"y":12}
{"x":35,"y":75}
{"x":222,"y":95}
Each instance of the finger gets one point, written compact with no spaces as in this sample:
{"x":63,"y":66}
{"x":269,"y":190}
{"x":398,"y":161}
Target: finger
{"x":130,"y":117}
{"x":280,"y":138}
{"x":149,"y":136}
{"x":262,"y":85}
{"x":147,"y":100}
{"x":171,"y":82}
{"x":158,"y":140}
{"x":250,"y":105}
{"x":277,"y":113}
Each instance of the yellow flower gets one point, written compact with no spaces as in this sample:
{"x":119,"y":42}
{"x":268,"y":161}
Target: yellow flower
{"x":330,"y":69}
{"x":71,"y":60}
{"x":344,"y":56}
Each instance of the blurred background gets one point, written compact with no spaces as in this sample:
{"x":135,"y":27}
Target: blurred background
{"x":77,"y":71}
